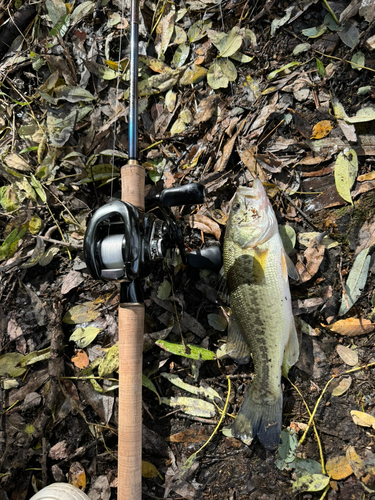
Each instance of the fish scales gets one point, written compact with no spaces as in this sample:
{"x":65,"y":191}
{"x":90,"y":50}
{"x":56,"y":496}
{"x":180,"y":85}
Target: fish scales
{"x":255,"y":265}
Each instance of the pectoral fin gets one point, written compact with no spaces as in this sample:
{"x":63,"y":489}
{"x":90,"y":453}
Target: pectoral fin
{"x":291,"y":352}
{"x":237,"y":348}
{"x":222,"y":287}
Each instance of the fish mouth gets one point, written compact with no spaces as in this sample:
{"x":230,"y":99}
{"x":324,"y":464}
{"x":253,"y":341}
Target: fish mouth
{"x":251,"y":192}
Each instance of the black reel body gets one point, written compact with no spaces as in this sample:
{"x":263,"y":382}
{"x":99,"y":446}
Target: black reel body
{"x":121,"y":241}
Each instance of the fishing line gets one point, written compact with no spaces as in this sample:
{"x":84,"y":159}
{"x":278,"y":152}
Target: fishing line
{"x":117,"y":99}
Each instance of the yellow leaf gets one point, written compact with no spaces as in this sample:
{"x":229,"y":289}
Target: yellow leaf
{"x":356,"y":462}
{"x":321,"y":129}
{"x":343,"y":386}
{"x":346,"y":169}
{"x":338,"y":468}
{"x":149,"y":470}
{"x":363,"y":419}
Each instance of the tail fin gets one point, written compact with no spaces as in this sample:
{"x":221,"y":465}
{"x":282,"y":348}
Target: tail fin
{"x":262,"y":420}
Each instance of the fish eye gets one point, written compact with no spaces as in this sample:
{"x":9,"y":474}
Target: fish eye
{"x":236,"y":207}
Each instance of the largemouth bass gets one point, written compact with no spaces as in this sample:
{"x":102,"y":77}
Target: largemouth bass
{"x":256,"y":269}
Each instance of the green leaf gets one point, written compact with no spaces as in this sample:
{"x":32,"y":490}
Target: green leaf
{"x":191,"y":352}
{"x":283,"y":68}
{"x":35,"y":357}
{"x":146,"y":382}
{"x":288,"y":237}
{"x":218,"y":322}
{"x":207,"y":392}
{"x":73,"y":94}
{"x":242,"y":58}
{"x":56,"y":10}
{"x":331,"y":23}
{"x":9,"y":245}
{"x":110,"y":362}
{"x":35,"y":224}
{"x":38,"y":188}
{"x":310,"y":482}
{"x":180,"y":56}
{"x":192,"y":406}
{"x":230,"y":43}
{"x":220,"y":73}
{"x":346,"y":169}
{"x":84,"y":336}
{"x":287,"y":449}
{"x":304,"y":466}
{"x":358,"y":58}
{"x":356,"y":281}
{"x":301,"y":47}
{"x":320,"y":66}
{"x":164,"y":290}
{"x":315,"y":32}
{"x":364,"y":90}
{"x":83,"y":313}
{"x":349,"y":35}
{"x":8,"y":199}
{"x":8,"y":364}
{"x":82,"y":10}
{"x":277,"y":23}
{"x":198,"y":30}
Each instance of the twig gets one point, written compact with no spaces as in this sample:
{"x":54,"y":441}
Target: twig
{"x":331,"y":11}
{"x":301,"y":212}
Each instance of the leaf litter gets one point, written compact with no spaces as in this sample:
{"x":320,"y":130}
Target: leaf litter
{"x":226,"y":94}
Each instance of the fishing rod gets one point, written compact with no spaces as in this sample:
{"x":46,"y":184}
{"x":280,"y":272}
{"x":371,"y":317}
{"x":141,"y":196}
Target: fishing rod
{"x":121,"y":242}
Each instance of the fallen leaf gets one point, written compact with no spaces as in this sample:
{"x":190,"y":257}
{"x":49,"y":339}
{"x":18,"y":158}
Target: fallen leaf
{"x":77,"y":476}
{"x":351,"y":327}
{"x":338,"y":468}
{"x":189,"y":436}
{"x":218,"y":322}
{"x":288,"y":237}
{"x":321,"y":129}
{"x":346,"y":169}
{"x":349,"y":356}
{"x":83,"y":313}
{"x":220,"y":73}
{"x":207,"y":392}
{"x":363,"y":419}
{"x":8,"y":364}
{"x":366,"y":177}
{"x":203,"y":223}
{"x":356,"y":462}
{"x":191,"y":351}
{"x":192,"y":406}
{"x":310,"y":482}
{"x":84,"y":336}
{"x":356,"y":281}
{"x":342,"y":387}
{"x":312,"y":258}
{"x":71,"y":280}
{"x":80,"y":360}
{"x":164,"y":290}
{"x":150,"y":471}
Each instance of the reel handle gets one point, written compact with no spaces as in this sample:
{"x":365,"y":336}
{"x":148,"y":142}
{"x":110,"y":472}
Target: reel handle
{"x":188,"y":194}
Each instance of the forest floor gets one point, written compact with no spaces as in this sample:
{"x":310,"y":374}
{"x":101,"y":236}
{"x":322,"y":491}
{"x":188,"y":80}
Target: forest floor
{"x":228,"y":92}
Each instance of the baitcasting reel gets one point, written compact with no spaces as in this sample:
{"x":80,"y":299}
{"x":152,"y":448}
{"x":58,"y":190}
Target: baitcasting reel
{"x":122,"y":241}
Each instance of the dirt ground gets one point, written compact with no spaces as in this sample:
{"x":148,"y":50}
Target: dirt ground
{"x":295,"y":107}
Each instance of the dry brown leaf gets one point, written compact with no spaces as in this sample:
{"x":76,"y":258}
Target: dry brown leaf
{"x":189,"y":436}
{"x":352,"y":327}
{"x":71,"y":280}
{"x":363,"y":419}
{"x":343,"y":386}
{"x":349,"y":356}
{"x":338,"y":468}
{"x":204,"y":223}
{"x":356,"y":462}
{"x":321,"y":129}
{"x":80,"y":360}
{"x":313,"y":256}
{"x":207,"y":108}
{"x":370,"y":176}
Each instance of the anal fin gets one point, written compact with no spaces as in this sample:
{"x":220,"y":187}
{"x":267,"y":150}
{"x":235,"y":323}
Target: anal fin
{"x":237,"y":348}
{"x":291,"y":352}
